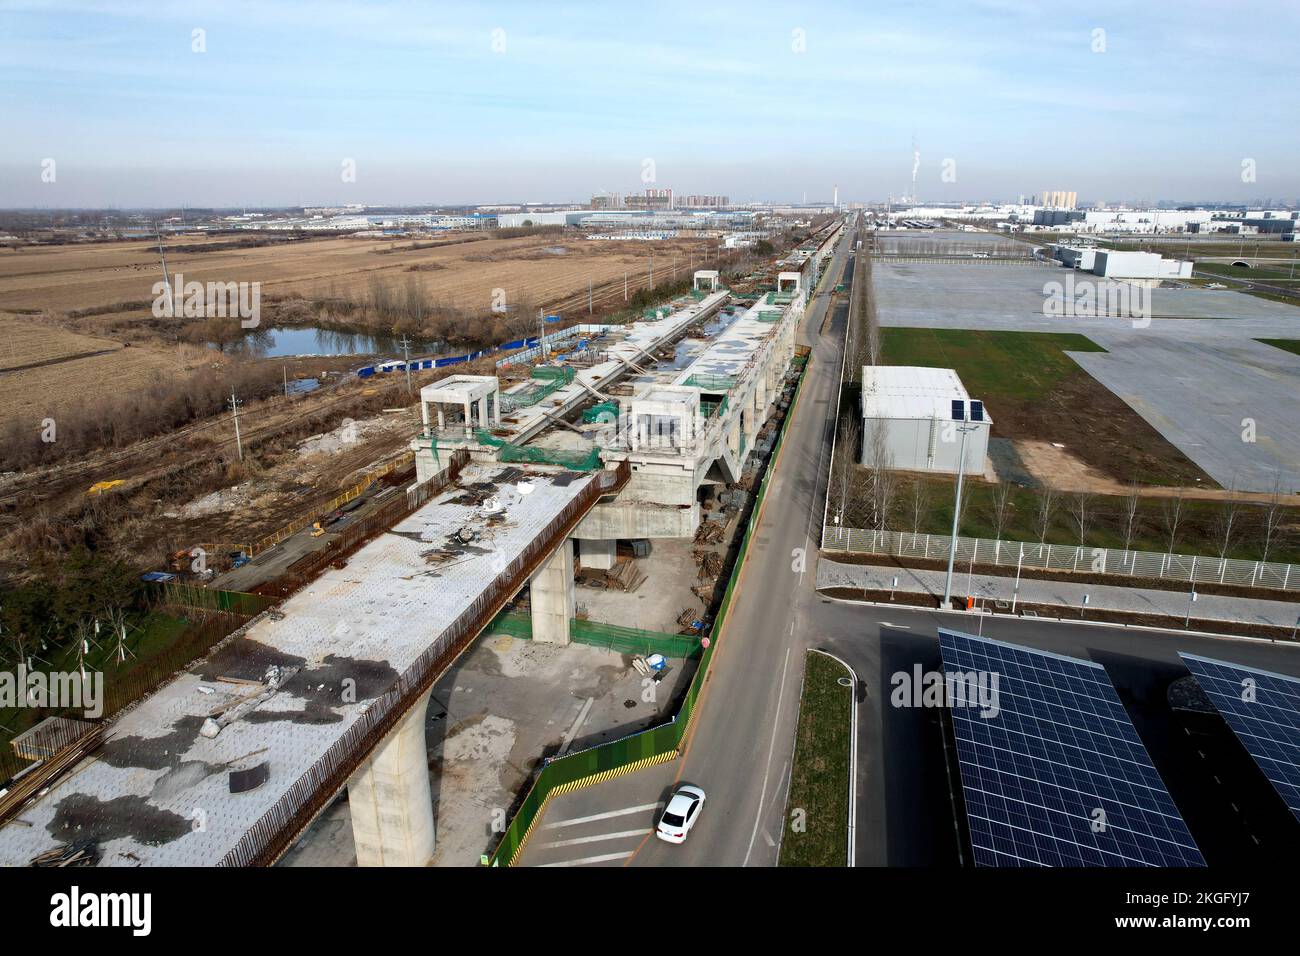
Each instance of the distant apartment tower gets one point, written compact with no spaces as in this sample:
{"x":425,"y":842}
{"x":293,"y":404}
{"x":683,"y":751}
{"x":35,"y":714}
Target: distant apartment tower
{"x":652,"y":199}
{"x":703,"y":202}
{"x":1057,"y":199}
{"x":607,"y":201}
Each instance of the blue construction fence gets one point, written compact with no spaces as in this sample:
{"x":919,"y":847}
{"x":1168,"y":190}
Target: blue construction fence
{"x":532,"y":342}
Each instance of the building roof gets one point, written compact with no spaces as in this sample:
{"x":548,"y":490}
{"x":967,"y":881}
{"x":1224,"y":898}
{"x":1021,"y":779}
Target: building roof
{"x":910,"y":391}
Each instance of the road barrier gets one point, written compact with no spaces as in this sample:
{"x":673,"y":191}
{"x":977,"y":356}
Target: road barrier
{"x":1184,"y":568}
{"x":351,"y":494}
{"x":658,"y":744}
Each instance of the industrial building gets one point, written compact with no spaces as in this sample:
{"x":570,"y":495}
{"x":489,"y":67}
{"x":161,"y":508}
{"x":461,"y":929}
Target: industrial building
{"x":922,"y":414}
{"x":1126,"y":265}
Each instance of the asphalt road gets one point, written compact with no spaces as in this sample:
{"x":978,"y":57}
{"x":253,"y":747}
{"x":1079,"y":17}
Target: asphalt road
{"x":740,"y":747}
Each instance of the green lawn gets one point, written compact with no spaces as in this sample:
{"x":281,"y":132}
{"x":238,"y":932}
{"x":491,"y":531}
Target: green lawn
{"x":1018,"y":365}
{"x":817,"y":814}
{"x":1286,"y":345}
{"x":147,"y":637}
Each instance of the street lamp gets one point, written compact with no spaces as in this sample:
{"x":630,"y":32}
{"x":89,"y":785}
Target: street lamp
{"x":956,"y":513}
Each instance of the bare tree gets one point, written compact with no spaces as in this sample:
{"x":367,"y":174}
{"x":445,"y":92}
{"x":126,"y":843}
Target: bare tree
{"x":1171,"y":511}
{"x":1272,"y":518}
{"x":883,"y":478}
{"x":1227,"y":522}
{"x":1001,"y":506}
{"x":1045,"y":513}
{"x":1081,"y":514}
{"x":846,"y":450}
{"x":1130,"y":514}
{"x":919,"y":504}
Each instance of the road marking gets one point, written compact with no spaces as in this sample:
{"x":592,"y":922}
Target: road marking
{"x":567,"y":741}
{"x":603,"y":858}
{"x":900,"y":627}
{"x":771,"y":747}
{"x":601,"y":816}
{"x":768,"y":837}
{"x":621,"y":835}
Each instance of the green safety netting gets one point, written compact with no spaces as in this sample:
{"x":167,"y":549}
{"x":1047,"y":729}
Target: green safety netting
{"x":769,"y":315}
{"x":711,"y":383}
{"x":573,"y":459}
{"x":709,"y":409}
{"x":624,"y":640}
{"x":550,"y":379}
{"x":609,"y":411}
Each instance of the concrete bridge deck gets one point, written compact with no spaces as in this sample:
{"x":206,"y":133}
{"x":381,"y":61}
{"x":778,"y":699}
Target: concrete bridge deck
{"x":160,"y":793}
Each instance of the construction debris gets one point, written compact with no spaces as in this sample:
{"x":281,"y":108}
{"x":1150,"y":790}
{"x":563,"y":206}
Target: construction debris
{"x":709,"y":532}
{"x":709,"y":563}
{"x":69,"y":854}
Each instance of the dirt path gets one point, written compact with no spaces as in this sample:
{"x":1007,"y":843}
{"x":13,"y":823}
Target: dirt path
{"x":1061,"y":469}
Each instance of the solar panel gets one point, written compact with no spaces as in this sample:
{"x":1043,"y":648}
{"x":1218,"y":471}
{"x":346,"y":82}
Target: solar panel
{"x":976,"y":410}
{"x":1263,"y":710}
{"x":958,"y":410}
{"x":1055,"y":774}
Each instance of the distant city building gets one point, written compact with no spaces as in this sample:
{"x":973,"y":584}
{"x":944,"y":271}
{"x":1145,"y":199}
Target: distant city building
{"x":651,"y":199}
{"x":703,"y":202}
{"x":1057,"y":199}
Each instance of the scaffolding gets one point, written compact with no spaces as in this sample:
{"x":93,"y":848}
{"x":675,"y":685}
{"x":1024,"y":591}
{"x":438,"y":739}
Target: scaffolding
{"x":548,"y":379}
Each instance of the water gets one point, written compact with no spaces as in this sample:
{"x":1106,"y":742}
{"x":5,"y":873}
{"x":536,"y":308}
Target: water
{"x":306,"y":340}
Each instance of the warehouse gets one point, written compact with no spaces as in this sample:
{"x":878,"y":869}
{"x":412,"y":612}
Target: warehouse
{"x":920,"y":415}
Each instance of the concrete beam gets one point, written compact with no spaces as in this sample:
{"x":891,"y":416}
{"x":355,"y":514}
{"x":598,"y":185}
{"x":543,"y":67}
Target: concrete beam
{"x":390,"y":801}
{"x":598,"y":553}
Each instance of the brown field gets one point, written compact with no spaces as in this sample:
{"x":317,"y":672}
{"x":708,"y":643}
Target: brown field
{"x":453,"y":273}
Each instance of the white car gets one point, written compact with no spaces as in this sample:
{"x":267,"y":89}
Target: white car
{"x":680,"y":815}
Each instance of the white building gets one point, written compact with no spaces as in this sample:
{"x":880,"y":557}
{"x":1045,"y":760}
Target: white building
{"x":1117,"y":264}
{"x":922,"y":414}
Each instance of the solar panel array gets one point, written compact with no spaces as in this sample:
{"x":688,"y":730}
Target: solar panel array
{"x":1263,"y":710}
{"x":1057,"y":776}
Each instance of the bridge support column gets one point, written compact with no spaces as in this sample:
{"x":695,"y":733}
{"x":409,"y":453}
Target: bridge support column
{"x":551,"y":593}
{"x":598,"y":553}
{"x":389,"y":799}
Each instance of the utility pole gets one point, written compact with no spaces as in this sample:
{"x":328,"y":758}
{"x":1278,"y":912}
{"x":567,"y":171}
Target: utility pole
{"x":286,"y":381}
{"x":652,"y":268}
{"x":956,"y":516}
{"x":589,"y":297}
{"x":406,"y":352}
{"x":171,"y":305}
{"x":234,"y":410}
{"x":625,"y":286}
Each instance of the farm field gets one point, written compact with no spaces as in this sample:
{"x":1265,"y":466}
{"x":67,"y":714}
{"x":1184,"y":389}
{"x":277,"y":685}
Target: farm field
{"x":459,"y":274}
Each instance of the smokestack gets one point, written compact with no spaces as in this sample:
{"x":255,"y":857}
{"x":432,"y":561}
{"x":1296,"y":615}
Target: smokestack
{"x":836,"y":201}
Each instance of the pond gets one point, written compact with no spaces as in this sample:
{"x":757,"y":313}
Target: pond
{"x":309,"y":340}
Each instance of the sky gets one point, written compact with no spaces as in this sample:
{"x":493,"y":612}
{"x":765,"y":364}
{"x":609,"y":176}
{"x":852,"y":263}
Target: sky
{"x":161,"y":103}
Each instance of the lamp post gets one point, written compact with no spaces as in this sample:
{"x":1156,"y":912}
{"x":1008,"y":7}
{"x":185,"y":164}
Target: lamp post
{"x":956,"y":514}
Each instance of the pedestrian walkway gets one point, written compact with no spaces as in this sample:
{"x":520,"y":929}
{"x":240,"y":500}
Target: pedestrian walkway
{"x":1069,"y":594}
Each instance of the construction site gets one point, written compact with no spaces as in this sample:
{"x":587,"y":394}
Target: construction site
{"x":535,"y":572}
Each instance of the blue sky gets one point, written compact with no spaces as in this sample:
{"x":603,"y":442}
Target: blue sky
{"x":723,"y":99}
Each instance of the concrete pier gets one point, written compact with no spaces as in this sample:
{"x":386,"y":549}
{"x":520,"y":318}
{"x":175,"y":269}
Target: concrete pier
{"x":390,"y":801}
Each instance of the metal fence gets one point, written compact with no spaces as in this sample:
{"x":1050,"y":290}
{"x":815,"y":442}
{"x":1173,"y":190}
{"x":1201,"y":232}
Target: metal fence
{"x":1067,"y":557}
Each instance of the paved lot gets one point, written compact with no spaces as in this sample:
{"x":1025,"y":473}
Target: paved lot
{"x":502,"y":707}
{"x":1195,"y":373}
